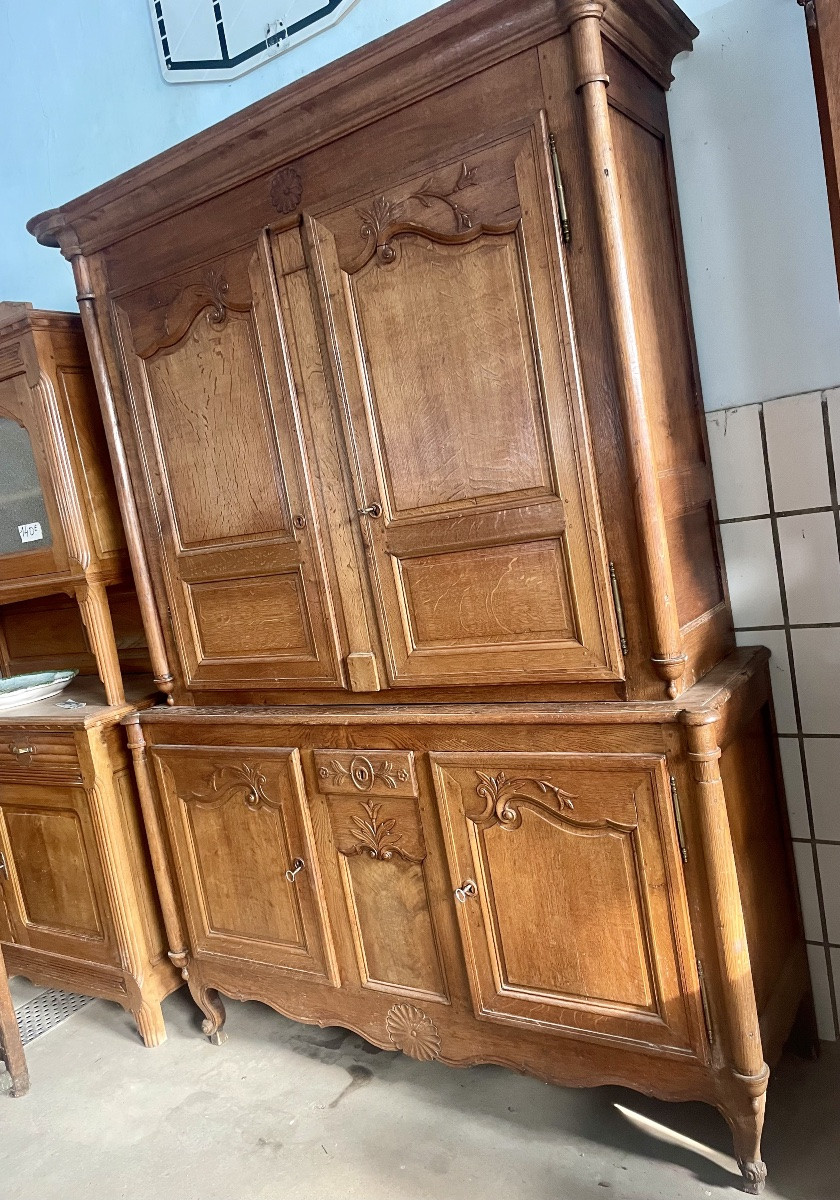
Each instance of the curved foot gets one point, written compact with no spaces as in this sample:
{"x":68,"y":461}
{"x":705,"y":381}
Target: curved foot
{"x":755,"y":1176}
{"x":150,"y":1024}
{"x":208,"y":1001}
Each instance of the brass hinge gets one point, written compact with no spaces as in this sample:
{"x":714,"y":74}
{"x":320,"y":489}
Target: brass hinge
{"x":704,"y":1000}
{"x":565,"y":227}
{"x":675,"y":800}
{"x":4,"y":870}
{"x":619,"y":610}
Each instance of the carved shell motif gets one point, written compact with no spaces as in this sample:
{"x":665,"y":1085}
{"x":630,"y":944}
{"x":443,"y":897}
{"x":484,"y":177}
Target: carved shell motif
{"x":413,"y":1032}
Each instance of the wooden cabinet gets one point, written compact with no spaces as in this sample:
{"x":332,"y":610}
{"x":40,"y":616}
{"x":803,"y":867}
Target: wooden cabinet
{"x":78,"y":908}
{"x":59,"y":523}
{"x":401,"y":397}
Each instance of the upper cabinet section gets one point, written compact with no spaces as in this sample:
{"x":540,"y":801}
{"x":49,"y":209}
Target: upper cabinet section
{"x":446,"y":300}
{"x":389,"y":431}
{"x":59,"y":522}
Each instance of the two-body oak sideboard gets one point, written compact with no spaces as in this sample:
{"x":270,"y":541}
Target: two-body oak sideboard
{"x":458,"y":751}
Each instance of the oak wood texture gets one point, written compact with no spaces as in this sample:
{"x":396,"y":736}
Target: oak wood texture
{"x":11,"y":1047}
{"x":498,"y":883}
{"x":399,"y":452}
{"x":426,"y":405}
{"x":80,"y":906}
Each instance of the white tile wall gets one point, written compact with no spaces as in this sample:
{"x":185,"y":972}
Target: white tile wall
{"x":752,"y":573}
{"x":822,"y":756}
{"x":796,"y":452}
{"x":811,"y":565}
{"x":735,"y":436}
{"x":776,"y":467}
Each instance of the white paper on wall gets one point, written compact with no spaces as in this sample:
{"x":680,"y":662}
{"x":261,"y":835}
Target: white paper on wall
{"x":207,"y":40}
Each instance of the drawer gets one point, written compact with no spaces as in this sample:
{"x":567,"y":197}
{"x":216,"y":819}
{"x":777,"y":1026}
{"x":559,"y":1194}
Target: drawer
{"x":26,"y":752}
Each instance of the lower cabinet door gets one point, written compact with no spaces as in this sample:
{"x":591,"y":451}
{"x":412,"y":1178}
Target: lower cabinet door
{"x":378,"y":826}
{"x":569,"y":892}
{"x":53,"y":883}
{"x":245,"y":855}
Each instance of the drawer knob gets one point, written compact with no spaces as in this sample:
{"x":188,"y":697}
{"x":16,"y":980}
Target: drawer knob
{"x":295,"y":870}
{"x":22,"y":751}
{"x":466,"y":889}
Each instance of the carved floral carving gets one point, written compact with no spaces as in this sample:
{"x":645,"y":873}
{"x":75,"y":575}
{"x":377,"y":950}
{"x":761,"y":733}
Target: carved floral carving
{"x":499,"y":793}
{"x":362,"y":773}
{"x":376,"y":837}
{"x":286,"y":190}
{"x":413,"y":1032}
{"x":247,"y":781}
{"x":384,"y":218}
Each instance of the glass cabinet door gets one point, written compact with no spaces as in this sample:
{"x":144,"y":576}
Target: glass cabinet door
{"x":24,"y":524}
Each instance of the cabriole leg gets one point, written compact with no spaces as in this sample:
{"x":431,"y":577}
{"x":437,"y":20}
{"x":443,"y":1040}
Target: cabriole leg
{"x":744,"y":1114}
{"x":209,"y":1002}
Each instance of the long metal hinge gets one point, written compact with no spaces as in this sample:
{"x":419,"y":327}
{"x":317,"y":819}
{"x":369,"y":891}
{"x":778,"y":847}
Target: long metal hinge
{"x":619,"y":609}
{"x":675,"y":800}
{"x":704,"y":1000}
{"x":565,"y":227}
{"x":4,"y":870}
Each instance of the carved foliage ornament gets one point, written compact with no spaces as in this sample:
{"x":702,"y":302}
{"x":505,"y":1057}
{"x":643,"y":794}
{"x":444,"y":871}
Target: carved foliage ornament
{"x":499,"y":794}
{"x":376,"y":837}
{"x":413,"y":1032}
{"x":385,"y":217}
{"x":246,"y":781}
{"x":362,"y":773}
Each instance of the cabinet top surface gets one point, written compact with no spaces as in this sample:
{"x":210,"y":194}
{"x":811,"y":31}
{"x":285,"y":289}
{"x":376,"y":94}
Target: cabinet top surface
{"x":696,"y":706}
{"x":86,"y":690}
{"x":19,"y":317}
{"x":461,"y":38}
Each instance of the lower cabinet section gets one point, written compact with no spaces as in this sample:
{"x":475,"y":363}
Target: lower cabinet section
{"x":78,"y":909}
{"x":571,"y":890}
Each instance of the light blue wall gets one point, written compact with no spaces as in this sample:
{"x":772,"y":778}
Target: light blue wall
{"x":85,"y":100}
{"x":753,"y":203}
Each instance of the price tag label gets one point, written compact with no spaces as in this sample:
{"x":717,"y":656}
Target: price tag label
{"x":31,"y":532}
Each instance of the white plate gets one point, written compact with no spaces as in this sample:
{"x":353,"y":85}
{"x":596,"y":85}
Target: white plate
{"x":30,"y":689}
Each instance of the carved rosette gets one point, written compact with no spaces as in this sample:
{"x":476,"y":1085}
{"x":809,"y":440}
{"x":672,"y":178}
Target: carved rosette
{"x":413,"y":1032}
{"x":286,"y":190}
{"x":362,"y":774}
{"x":500,"y":794}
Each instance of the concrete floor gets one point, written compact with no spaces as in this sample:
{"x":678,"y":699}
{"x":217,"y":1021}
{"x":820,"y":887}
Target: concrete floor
{"x":292,"y":1112}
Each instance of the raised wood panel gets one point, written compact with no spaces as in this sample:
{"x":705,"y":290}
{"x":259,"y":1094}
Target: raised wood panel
{"x":239,"y":822}
{"x":215,"y":433}
{"x":377,"y":831}
{"x":55,"y":891}
{"x":87,"y":437}
{"x":699,"y":584}
{"x":244,"y":566}
{"x":251,"y":618}
{"x":447,"y":316}
{"x":453,"y":384}
{"x":582,"y":849}
{"x":489,"y":597}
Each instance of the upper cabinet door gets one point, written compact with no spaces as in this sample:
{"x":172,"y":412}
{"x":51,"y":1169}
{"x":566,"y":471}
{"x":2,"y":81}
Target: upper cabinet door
{"x":448,"y":320}
{"x":243,"y":564}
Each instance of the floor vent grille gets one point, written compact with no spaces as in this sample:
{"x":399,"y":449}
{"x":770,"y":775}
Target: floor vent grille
{"x":46,"y":1011}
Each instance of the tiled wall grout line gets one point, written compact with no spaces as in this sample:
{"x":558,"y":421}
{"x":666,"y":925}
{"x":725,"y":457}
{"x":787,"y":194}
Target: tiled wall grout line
{"x":774,"y":529}
{"x":792,"y":512}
